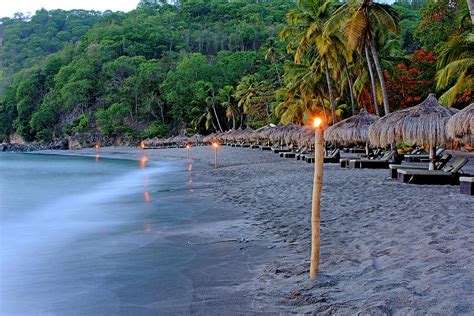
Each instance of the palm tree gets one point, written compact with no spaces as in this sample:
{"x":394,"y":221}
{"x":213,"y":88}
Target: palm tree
{"x":271,"y":52}
{"x":245,"y":91}
{"x":305,"y":31}
{"x":362,"y":21}
{"x":226,"y":96}
{"x":457,"y":60}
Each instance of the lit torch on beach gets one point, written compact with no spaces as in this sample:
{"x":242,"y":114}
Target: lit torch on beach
{"x":316,"y":202}
{"x":188,"y":147}
{"x":215,"y":146}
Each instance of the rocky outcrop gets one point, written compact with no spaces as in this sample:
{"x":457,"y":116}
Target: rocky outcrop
{"x":57,"y":145}
{"x":21,"y":147}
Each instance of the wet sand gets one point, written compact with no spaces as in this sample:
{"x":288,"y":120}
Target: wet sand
{"x":386,"y":247}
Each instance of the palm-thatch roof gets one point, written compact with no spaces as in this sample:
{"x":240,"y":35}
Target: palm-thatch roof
{"x":196,"y":139}
{"x":354,"y":129}
{"x":461,"y":126}
{"x":421,"y":124}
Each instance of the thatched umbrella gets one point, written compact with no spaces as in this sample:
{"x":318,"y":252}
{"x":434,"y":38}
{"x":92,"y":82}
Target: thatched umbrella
{"x":180,"y":139}
{"x":421,"y":124}
{"x":461,"y":126}
{"x":209,"y":138}
{"x":352,"y":130}
{"x":263,"y":133}
{"x":196,"y":139}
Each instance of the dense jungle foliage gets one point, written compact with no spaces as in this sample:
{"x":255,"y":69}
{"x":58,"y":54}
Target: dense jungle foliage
{"x":212,"y":65}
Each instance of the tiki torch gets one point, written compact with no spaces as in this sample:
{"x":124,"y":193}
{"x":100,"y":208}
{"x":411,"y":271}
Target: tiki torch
{"x":215,"y":146}
{"x":187,"y":151}
{"x":316,"y":202}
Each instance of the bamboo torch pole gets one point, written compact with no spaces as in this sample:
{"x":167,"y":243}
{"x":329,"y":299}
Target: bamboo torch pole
{"x":215,"y":145}
{"x":188,"y":156}
{"x":316,"y":202}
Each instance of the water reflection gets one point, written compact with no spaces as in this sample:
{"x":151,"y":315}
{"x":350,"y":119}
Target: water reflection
{"x":97,"y":157}
{"x":146,"y":196}
{"x":148,"y":228}
{"x":190,"y":167}
{"x":143,"y":161}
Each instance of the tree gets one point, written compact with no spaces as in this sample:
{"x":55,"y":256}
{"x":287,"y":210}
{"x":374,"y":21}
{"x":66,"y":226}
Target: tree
{"x":456,"y":61}
{"x":305,"y":31}
{"x":362,"y":21}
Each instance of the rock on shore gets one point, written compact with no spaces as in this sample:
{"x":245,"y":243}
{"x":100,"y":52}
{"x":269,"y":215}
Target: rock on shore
{"x":58,"y":145}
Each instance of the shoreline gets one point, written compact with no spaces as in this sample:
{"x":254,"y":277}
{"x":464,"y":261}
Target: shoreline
{"x":406,"y":252}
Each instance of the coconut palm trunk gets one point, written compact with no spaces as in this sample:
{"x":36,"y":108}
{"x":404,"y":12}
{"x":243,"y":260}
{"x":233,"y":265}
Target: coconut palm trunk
{"x":324,"y":108}
{"x":349,"y":79}
{"x":331,"y":96}
{"x":372,"y":80}
{"x":378,"y":66}
{"x":217,"y":118}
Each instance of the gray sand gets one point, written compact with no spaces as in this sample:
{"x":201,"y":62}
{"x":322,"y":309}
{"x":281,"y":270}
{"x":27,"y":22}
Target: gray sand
{"x":386,"y":247}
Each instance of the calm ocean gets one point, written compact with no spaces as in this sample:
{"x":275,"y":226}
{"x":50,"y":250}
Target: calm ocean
{"x":84,"y":235}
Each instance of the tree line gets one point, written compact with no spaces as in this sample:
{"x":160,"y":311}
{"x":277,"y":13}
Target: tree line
{"x":205,"y":66}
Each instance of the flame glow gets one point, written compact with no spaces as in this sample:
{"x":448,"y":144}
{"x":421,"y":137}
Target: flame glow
{"x":97,"y":157}
{"x":215,"y":145}
{"x":97,"y":146}
{"x":142,"y":145}
{"x":317,"y":122}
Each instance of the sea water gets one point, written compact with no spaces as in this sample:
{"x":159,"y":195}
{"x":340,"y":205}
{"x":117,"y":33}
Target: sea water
{"x":82,"y":235}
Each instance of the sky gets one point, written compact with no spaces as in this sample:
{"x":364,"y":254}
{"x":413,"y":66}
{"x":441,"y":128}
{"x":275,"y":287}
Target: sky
{"x":10,"y":7}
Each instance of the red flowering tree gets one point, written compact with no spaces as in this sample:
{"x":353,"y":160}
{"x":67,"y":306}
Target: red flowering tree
{"x":413,"y":81}
{"x":437,"y":23}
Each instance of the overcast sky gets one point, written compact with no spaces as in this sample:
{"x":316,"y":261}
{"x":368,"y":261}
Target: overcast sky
{"x":10,"y":7}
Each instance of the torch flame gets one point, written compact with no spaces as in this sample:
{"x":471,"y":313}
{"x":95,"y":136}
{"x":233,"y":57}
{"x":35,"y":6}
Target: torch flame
{"x":215,"y":145}
{"x":317,"y":122}
{"x":142,"y":145}
{"x":187,"y":146}
{"x":97,"y":146}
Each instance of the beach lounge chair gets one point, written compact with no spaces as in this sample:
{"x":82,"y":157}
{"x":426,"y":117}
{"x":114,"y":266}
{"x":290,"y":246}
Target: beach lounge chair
{"x":450,"y":174}
{"x":332,"y":157}
{"x":439,"y":164}
{"x":420,"y":158}
{"x":381,"y":163}
{"x":292,"y":154}
{"x":344,"y":162}
{"x":302,"y":155}
{"x":282,"y":149}
{"x":355,"y":150}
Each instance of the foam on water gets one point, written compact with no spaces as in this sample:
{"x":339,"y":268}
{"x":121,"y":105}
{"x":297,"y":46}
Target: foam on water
{"x":52,"y":248}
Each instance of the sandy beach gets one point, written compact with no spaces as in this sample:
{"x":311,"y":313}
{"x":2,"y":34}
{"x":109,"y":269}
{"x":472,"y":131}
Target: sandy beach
{"x":387,"y":248}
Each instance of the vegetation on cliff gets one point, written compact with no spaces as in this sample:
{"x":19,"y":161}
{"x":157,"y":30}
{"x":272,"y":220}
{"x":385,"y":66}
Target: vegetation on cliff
{"x":213,"y":65}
